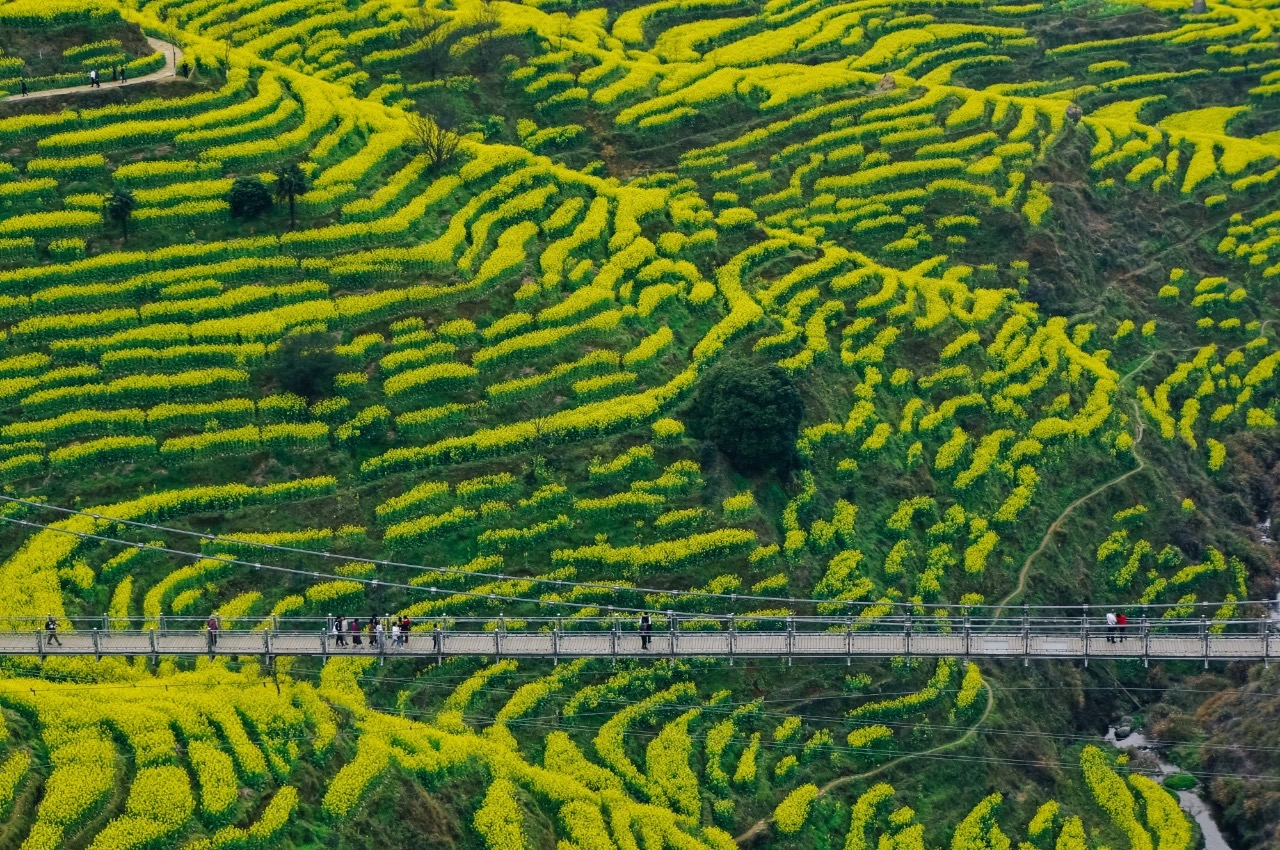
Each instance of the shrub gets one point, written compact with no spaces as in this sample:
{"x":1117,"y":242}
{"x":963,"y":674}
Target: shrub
{"x":305,"y":364}
{"x":752,"y":414}
{"x":249,"y":197}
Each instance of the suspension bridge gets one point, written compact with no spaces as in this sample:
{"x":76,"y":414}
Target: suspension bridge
{"x":671,"y":636}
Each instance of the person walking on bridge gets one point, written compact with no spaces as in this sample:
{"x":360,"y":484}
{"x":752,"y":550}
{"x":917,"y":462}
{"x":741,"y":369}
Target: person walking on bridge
{"x":213,"y":626}
{"x":355,"y":631}
{"x":51,"y":630}
{"x":1121,"y":625}
{"x":646,"y":630}
{"x":1112,"y":620}
{"x":339,"y":631}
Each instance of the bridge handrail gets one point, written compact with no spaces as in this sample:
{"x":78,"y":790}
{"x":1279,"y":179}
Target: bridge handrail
{"x":679,"y":621}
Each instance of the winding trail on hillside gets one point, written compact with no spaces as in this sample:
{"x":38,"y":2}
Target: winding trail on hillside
{"x":761,"y":826}
{"x":172,"y":57}
{"x":1067,"y":511}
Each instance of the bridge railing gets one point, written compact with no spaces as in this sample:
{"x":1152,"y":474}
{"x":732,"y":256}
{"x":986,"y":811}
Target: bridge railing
{"x":1043,"y":622}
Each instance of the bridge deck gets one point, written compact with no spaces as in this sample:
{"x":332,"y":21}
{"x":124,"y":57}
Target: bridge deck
{"x":605,"y":644}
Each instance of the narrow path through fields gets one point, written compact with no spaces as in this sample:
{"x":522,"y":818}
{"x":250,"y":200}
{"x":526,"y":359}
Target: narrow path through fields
{"x":172,"y":58}
{"x":759,"y":827}
{"x":1066,"y":512}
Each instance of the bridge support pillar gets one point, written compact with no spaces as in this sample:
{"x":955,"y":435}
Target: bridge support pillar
{"x":1266,"y":639}
{"x":1026,"y":635}
{"x":671,"y":624}
{"x":1084,"y":634}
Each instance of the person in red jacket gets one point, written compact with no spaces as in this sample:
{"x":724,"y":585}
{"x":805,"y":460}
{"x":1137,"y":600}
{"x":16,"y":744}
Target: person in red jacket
{"x":1121,"y":622}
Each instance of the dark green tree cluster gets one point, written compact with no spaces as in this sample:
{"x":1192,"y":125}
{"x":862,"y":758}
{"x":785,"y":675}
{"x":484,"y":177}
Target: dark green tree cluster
{"x":752,"y":413}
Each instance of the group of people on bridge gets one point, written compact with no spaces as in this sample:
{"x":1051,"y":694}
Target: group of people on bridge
{"x":1116,"y":624}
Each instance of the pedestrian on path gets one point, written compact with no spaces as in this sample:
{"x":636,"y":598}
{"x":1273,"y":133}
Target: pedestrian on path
{"x":93,"y":79}
{"x":51,"y":630}
{"x":355,"y":632}
{"x":115,"y":72}
{"x":396,"y":636}
{"x":646,"y":630}
{"x":24,"y":86}
{"x":213,"y":626}
{"x":122,"y":75}
{"x":184,"y":69}
{"x":379,"y":635}
{"x":1121,"y":622}
{"x":339,"y":629}
{"x":1111,"y":626}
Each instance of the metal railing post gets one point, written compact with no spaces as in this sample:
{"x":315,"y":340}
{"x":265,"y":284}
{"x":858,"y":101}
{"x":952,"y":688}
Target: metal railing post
{"x":613,"y":638}
{"x":437,"y":635}
{"x":497,"y":637}
{"x":1084,"y":634}
{"x":1146,"y":642}
{"x":97,"y":649}
{"x":848,"y":642}
{"x":164,"y":630}
{"x":968,"y":635}
{"x":1266,"y":639}
{"x":1026,"y":635}
{"x":266,"y":644}
{"x":791,"y":638}
{"x":40,"y":644}
{"x":555,"y":641}
{"x":675,"y":635}
{"x":324,"y":645}
{"x":906,"y":630}
{"x":731,"y":639}
{"x":106,"y":622}
{"x":1204,"y":634}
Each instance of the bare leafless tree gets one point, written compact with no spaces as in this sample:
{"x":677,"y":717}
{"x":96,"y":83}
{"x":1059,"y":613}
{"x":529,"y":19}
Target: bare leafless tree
{"x":484,"y":27}
{"x":437,"y":142}
{"x":431,"y":37}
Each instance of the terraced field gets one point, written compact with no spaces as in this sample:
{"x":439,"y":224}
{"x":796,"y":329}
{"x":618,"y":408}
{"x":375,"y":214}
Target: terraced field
{"x":1005,"y":270}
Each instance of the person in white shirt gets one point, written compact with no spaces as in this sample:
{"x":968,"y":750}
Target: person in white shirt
{"x":1111,"y":627}
{"x":395,"y":634}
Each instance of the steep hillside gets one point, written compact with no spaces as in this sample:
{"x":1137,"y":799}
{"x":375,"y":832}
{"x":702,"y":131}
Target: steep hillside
{"x":541,"y":315}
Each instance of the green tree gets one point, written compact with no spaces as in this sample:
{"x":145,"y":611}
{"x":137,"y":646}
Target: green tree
{"x":290,"y":183}
{"x":305,"y":364}
{"x":752,"y":413}
{"x":248,"y":196}
{"x":120,"y":210}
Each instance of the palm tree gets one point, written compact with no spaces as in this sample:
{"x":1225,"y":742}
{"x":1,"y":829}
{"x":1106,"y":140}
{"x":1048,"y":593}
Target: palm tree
{"x":120,"y":209}
{"x":290,"y":183}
